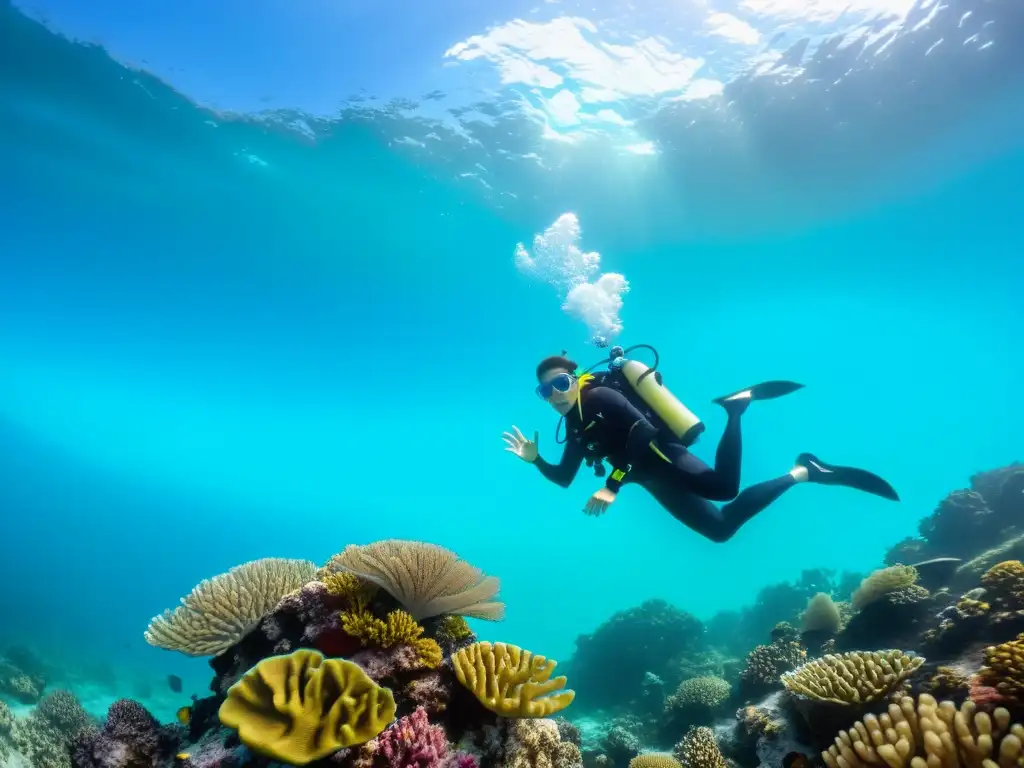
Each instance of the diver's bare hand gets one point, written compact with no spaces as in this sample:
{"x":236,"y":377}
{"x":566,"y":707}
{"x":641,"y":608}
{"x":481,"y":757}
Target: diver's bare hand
{"x":520,"y":446}
{"x":598,"y":503}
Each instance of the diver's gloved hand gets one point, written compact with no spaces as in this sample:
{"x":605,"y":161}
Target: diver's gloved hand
{"x":520,"y":446}
{"x":598,"y":503}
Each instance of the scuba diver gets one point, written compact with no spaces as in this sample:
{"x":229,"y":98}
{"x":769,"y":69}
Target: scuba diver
{"x":627,"y":417}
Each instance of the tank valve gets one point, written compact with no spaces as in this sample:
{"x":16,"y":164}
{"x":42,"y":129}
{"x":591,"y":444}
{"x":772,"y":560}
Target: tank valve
{"x":616,"y":358}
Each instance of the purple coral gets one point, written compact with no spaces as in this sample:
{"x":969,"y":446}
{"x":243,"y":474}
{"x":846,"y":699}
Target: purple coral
{"x":316,"y":607}
{"x":413,"y":742}
{"x":130,"y":736}
{"x":461,"y":760}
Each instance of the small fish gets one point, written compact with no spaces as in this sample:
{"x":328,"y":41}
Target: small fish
{"x":184,"y":715}
{"x":174,"y":682}
{"x":796,"y":760}
{"x":183,"y":756}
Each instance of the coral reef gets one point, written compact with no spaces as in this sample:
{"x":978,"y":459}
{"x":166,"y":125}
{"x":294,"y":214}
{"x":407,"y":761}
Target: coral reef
{"x":367,"y":669}
{"x":368,"y":662}
{"x":43,"y":738}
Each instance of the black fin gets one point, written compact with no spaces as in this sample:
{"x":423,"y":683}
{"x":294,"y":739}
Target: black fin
{"x":851,"y":477}
{"x":766,"y":390}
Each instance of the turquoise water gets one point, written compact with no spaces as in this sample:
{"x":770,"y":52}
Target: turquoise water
{"x":224,"y":338}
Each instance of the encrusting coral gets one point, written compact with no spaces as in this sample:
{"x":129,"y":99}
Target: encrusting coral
{"x":221,"y":610}
{"x":852,"y":678}
{"x":927,"y":734}
{"x":510,"y":681}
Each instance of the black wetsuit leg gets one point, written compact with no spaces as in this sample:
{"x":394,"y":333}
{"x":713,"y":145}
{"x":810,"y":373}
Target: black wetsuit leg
{"x":680,"y":488}
{"x":723,"y":482}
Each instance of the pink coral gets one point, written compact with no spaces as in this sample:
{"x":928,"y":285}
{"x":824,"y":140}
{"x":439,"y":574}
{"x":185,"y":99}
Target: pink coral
{"x":412,"y":742}
{"x":461,"y":760}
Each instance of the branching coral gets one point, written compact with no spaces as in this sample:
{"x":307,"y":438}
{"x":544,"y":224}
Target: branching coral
{"x":926,"y":734}
{"x":510,"y":681}
{"x":698,"y":749}
{"x":454,"y":627}
{"x":883,"y":582}
{"x":354,"y":591}
{"x":398,"y":628}
{"x":413,"y":742}
{"x":537,"y":744}
{"x":221,"y":610}
{"x":852,"y":678}
{"x":426,"y":579}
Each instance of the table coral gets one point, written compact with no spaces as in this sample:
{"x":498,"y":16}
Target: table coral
{"x":852,"y":678}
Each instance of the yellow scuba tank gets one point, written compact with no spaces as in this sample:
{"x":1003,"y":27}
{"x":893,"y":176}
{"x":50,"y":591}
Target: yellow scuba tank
{"x":647,"y":384}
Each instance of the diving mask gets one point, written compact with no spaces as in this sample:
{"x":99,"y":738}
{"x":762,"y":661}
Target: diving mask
{"x":560,"y":383}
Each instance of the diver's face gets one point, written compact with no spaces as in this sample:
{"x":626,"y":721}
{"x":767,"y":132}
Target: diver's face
{"x":559,"y":389}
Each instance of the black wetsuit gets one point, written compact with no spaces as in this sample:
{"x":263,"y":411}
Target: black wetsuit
{"x":612,"y":428}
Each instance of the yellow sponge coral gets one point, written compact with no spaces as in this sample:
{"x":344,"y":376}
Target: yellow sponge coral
{"x":510,"y":681}
{"x":399,"y":627}
{"x":299,"y":708}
